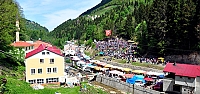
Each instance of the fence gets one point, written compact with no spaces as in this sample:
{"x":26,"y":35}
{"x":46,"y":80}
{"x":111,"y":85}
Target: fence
{"x":123,"y":86}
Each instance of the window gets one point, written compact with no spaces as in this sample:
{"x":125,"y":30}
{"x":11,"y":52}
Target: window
{"x":41,"y":60}
{"x":50,"y":80}
{"x":54,"y":70}
{"x":31,"y":81}
{"x":40,"y":71}
{"x":48,"y":70}
{"x":40,"y":81}
{"x":51,"y":61}
{"x":43,"y":53}
{"x":26,"y":49}
{"x":180,"y":76}
{"x":48,"y":53}
{"x":188,"y":78}
{"x":32,"y":71}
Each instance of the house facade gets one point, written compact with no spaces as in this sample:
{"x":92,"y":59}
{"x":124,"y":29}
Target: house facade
{"x":183,"y":78}
{"x":44,"y":65}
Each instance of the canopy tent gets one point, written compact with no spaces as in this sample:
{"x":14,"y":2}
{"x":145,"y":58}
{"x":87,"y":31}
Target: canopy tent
{"x":151,"y":73}
{"x":86,"y":57}
{"x":160,"y":75}
{"x":128,"y":75}
{"x":161,"y":59}
{"x":75,"y":58}
{"x":101,"y":53}
{"x":139,"y":71}
{"x":116,"y":72}
{"x":97,"y":68}
{"x":104,"y":69}
{"x":127,"y":69}
{"x":80,"y":62}
{"x":108,"y":66}
{"x":135,"y":78}
{"x":93,"y":61}
{"x":89,"y":65}
{"x":102,"y":63}
{"x":148,"y":79}
{"x":116,"y":67}
{"x":97,"y":62}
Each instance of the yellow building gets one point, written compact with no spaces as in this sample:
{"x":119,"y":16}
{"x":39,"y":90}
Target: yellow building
{"x":44,"y":65}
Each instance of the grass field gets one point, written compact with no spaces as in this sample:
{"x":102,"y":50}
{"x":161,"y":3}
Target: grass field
{"x":15,"y":86}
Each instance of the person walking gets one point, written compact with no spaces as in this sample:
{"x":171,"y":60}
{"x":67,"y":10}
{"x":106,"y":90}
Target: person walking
{"x":80,"y":87}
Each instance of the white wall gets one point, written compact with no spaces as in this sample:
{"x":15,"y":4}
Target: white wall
{"x":168,"y":84}
{"x":197,"y":85}
{"x":185,"y":81}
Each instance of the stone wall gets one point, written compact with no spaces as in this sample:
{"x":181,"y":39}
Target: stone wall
{"x":123,"y":86}
{"x":193,"y":58}
{"x":132,"y":66}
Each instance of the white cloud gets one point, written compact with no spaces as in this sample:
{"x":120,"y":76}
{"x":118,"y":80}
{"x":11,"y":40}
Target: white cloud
{"x":59,"y":17}
{"x":51,"y":13}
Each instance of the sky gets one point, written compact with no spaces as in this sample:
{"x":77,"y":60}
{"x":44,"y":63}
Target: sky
{"x":51,"y":13}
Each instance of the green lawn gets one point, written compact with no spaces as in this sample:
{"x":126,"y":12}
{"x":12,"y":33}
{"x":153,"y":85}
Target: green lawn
{"x":15,"y":86}
{"x":148,"y":65}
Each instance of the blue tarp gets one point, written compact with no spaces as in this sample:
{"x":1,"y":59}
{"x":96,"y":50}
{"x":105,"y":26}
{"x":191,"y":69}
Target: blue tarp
{"x":161,"y":76}
{"x":86,"y":57}
{"x":135,"y":78}
{"x":101,"y":53}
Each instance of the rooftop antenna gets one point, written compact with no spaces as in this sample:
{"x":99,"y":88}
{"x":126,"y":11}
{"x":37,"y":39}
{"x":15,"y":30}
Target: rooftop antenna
{"x":174,"y":63}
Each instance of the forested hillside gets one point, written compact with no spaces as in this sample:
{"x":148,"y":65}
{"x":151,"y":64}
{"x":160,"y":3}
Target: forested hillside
{"x":161,"y":27}
{"x":103,"y":2}
{"x":10,"y":12}
{"x":36,"y":31}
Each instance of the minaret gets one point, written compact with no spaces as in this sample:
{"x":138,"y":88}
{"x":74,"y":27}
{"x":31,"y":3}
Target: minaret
{"x":17,"y":32}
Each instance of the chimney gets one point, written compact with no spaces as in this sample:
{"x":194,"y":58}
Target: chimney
{"x":17,"y":33}
{"x":174,"y":64}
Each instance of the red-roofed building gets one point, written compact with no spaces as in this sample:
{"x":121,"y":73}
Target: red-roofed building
{"x":38,"y":42}
{"x":23,"y":45}
{"x":184,"y":78}
{"x":44,"y":64}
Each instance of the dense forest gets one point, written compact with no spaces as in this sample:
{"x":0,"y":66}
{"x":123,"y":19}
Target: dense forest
{"x":10,"y":12}
{"x":161,"y":27}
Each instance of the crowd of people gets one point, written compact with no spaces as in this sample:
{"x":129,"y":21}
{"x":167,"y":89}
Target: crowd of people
{"x":117,"y":48}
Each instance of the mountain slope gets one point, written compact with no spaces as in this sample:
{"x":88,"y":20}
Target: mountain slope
{"x":103,"y":2}
{"x":160,"y":27}
{"x":35,"y":31}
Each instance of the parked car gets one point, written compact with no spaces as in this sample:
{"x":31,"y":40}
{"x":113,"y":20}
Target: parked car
{"x":158,"y":86}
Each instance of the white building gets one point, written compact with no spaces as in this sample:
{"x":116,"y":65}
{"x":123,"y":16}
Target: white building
{"x":183,"y":78}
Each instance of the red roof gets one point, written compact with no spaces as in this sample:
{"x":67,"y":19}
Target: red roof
{"x":44,"y":47}
{"x":37,"y":44}
{"x":183,"y":69}
{"x":21,"y":44}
